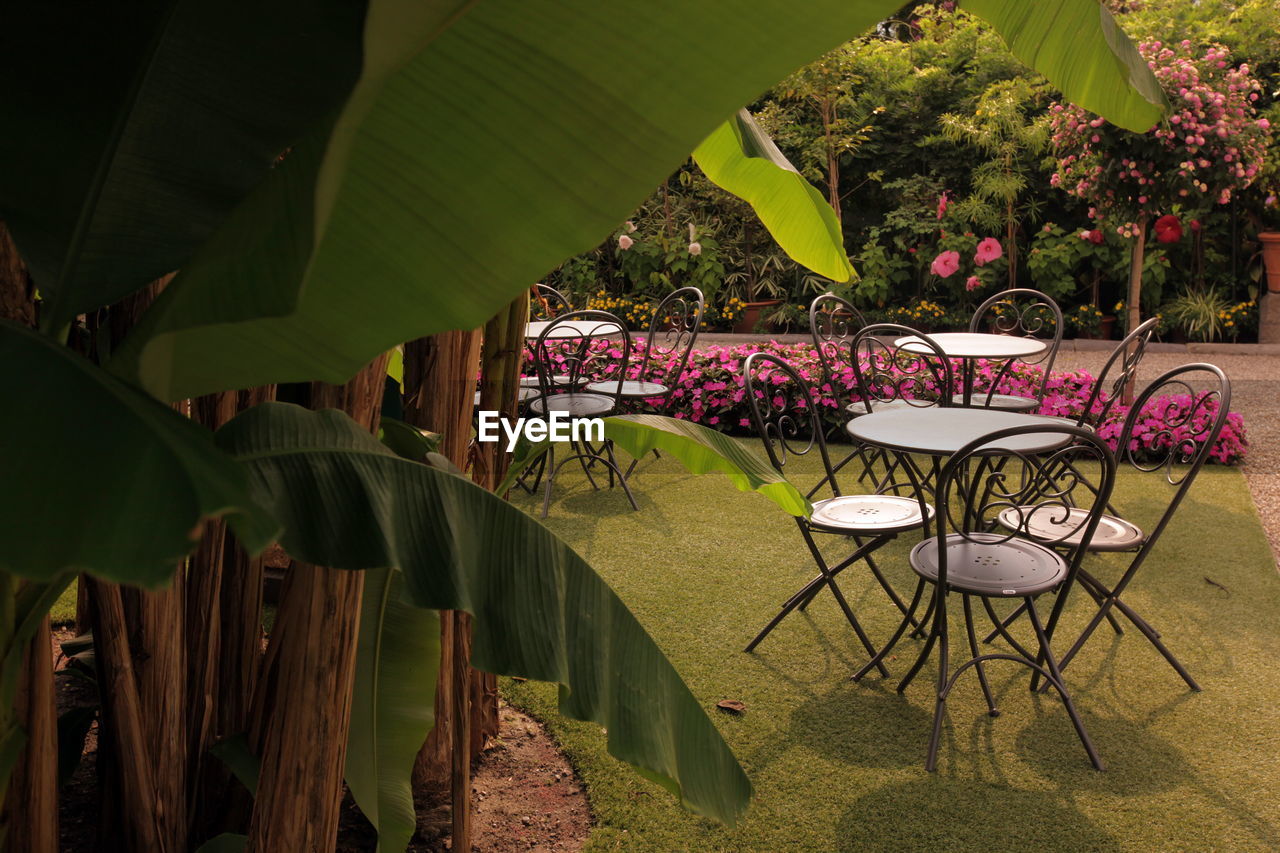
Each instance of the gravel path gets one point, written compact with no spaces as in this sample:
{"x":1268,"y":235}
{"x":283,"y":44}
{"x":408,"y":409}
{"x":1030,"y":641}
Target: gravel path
{"x":1254,"y":371}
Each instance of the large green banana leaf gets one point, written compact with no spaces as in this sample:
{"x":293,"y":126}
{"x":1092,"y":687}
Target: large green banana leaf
{"x":741,"y":158}
{"x":97,"y":476}
{"x":702,"y":450}
{"x":521,"y":134}
{"x":1080,"y":48}
{"x":540,"y":611}
{"x":133,"y":129}
{"x":393,"y":704}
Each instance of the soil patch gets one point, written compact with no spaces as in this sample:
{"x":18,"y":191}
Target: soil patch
{"x":526,"y":796}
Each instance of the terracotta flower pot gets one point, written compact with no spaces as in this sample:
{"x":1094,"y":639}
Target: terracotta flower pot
{"x":1271,"y":258}
{"x":750,"y":315}
{"x":1106,"y":330}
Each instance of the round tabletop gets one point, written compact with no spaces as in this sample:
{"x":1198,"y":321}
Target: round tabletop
{"x":938,"y":431}
{"x":572,"y":329}
{"x":976,"y":345}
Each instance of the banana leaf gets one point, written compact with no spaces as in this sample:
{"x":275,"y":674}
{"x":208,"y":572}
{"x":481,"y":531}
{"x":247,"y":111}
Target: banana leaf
{"x":540,"y":611}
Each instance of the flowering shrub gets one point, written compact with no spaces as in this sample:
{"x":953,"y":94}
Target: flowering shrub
{"x":710,"y":391}
{"x":1212,"y":145}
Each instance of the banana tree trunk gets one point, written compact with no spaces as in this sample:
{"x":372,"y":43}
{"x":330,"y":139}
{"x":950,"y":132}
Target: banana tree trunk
{"x":301,"y":737}
{"x":29,"y":821}
{"x":143,"y":766}
{"x":223,"y":612}
{"x":439,"y":395}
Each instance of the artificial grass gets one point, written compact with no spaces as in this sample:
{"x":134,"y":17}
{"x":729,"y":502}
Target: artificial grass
{"x":839,"y":766}
{"x":64,"y":609}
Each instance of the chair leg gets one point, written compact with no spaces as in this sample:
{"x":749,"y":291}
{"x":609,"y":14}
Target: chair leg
{"x":612,"y":462}
{"x":940,"y":699}
{"x":1055,"y":678}
{"x":924,"y":620}
{"x":549,"y":470}
{"x":1141,"y":624}
{"x":992,"y":710}
{"x":928,"y":643}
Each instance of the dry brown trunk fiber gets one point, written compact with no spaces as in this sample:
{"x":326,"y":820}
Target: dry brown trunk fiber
{"x":30,"y":820}
{"x":302,"y":733}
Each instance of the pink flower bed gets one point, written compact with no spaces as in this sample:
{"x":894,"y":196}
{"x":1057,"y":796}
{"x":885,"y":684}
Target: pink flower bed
{"x":710,"y":391}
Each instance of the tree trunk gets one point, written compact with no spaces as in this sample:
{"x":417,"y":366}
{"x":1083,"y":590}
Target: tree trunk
{"x":223,"y":611}
{"x":439,"y":395}
{"x":29,"y":823}
{"x":827,"y":109}
{"x":1011,"y":245}
{"x":301,"y":736}
{"x":1134,"y":305}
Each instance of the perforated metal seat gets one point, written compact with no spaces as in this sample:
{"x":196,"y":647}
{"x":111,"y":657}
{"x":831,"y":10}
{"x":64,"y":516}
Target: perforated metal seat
{"x":1005,"y":402}
{"x":1054,"y":525}
{"x":577,"y":404}
{"x":867,"y":514}
{"x":860,"y":408}
{"x":989,"y":564}
{"x":633,"y":389}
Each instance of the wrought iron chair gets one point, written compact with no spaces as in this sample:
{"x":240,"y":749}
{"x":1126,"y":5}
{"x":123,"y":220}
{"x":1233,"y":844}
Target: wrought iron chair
{"x":1189,"y":427}
{"x":972,"y":558}
{"x":1118,"y":371}
{"x":672,"y":334}
{"x":1022,"y":312}
{"x":889,"y":376}
{"x":833,"y":324}
{"x":578,"y":348}
{"x":545,"y":303}
{"x":784,"y":415}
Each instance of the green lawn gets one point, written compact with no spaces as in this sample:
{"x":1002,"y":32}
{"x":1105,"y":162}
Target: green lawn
{"x":839,"y":766}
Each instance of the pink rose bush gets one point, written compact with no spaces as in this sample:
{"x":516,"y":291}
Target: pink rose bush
{"x":710,"y":391}
{"x":1213,"y":144}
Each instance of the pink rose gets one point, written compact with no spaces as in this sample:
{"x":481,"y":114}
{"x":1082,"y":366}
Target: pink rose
{"x":695,"y":248}
{"x":988,"y":250}
{"x":945,"y":264}
{"x":972,"y":283}
{"x":625,"y":242}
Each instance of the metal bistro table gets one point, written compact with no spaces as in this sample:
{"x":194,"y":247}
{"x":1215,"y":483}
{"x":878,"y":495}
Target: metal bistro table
{"x":971,"y":346}
{"x":572,"y":329}
{"x":938,"y":432}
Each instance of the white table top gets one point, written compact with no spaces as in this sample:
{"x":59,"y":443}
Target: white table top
{"x":976,"y":345}
{"x":573,"y":329}
{"x":938,"y":431}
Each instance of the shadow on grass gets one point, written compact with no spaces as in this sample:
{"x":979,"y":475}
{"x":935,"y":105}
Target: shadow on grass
{"x":941,"y":813}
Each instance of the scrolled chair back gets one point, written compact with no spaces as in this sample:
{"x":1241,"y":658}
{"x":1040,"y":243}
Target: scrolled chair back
{"x":583,"y":346}
{"x":833,"y":324}
{"x":895,"y":364}
{"x":673,"y":331}
{"x":1175,"y":423}
{"x":1117,"y":372}
{"x":1027,"y":482}
{"x":784,"y":411}
{"x":547,"y":303}
{"x":1022,"y":312}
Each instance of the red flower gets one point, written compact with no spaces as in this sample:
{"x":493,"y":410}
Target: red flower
{"x":1168,"y":229}
{"x":1096,"y":237}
